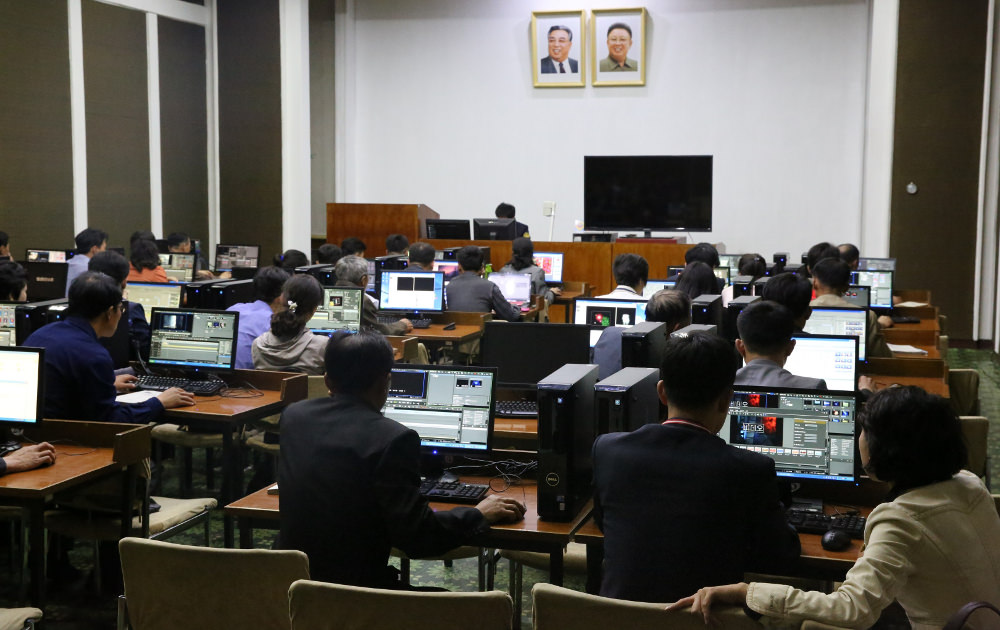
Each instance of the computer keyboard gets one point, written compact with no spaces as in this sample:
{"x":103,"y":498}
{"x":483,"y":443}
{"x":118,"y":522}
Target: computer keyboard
{"x":6,"y":448}
{"x":453,"y":491}
{"x":163,"y":383}
{"x":904,"y":319}
{"x":811,"y":523}
{"x":516,"y":408}
{"x":417,"y":323}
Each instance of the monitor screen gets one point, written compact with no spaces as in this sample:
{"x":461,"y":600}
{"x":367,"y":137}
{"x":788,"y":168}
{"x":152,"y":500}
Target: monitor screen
{"x":406,"y":290}
{"x":879,"y":264}
{"x":451,"y":408}
{"x":552,"y":264}
{"x":601,"y":313}
{"x":674,"y":270}
{"x":507,"y":347}
{"x":340,"y":310}
{"x":8,"y":324}
{"x":829,"y":357}
{"x":150,"y":294}
{"x":722,"y":273}
{"x":179,"y":267}
{"x":21,"y":384}
{"x":851,"y":322}
{"x":47,"y":255}
{"x":191,"y":338}
{"x":449,"y":267}
{"x":730,"y":260}
{"x":652,"y":286}
{"x":880,"y":283}
{"x":858,"y":295}
{"x":516,"y":287}
{"x":371,"y":277}
{"x":808,"y":434}
{"x":494,"y":229}
{"x":448,"y":228}
{"x":229,"y":257}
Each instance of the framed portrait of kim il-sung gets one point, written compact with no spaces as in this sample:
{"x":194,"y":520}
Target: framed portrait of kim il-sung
{"x":618,"y":49}
{"x":558,"y":48}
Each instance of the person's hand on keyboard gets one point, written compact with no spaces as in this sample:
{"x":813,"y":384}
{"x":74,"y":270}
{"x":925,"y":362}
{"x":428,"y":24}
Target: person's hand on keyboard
{"x":175,"y":397}
{"x":497,"y":508}
{"x":30,"y":457}
{"x":124,"y":383}
{"x":408,"y":323}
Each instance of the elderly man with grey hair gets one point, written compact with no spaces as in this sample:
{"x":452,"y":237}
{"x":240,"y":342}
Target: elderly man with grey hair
{"x":352,"y":271}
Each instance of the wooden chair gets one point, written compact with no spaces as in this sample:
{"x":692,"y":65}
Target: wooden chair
{"x":557,"y":608}
{"x":323,"y":606}
{"x":171,"y":586}
{"x":975,"y":430}
{"x":964,"y":387}
{"x":19,"y":618}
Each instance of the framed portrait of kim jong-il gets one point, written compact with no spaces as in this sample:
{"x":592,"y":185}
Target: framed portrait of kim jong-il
{"x":618,"y":49}
{"x":558,"y":48}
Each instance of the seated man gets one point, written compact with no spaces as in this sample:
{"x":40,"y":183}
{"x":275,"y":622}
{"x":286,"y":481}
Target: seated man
{"x":80,"y":383}
{"x":469,"y":292}
{"x":13,"y":282}
{"x":679,"y":508}
{"x":396,"y":245}
{"x":830,"y":279}
{"x":350,"y":477}
{"x":88,"y":243}
{"x":422,"y":256}
{"x":352,"y":271}
{"x":255,"y":317}
{"x":5,"y":247}
{"x":631,"y":271}
{"x":850,"y":254}
{"x":794,"y":293}
{"x":818,"y":252}
{"x":671,"y":307}
{"x":507,"y":211}
{"x":28,"y":458}
{"x":765,"y":342}
{"x":353,"y":246}
{"x":180,"y":243}
{"x":114,"y":264}
{"x":328,"y":254}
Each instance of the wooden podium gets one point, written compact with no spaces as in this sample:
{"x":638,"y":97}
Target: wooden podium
{"x":373,"y":222}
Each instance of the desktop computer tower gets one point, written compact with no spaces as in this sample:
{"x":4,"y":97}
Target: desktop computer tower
{"x":46,"y":280}
{"x":31,"y":316}
{"x":742,"y":285}
{"x":695,"y":328}
{"x":736,"y":306}
{"x":228,"y":292}
{"x":197,"y":294}
{"x":643,"y":345}
{"x":758,"y":285}
{"x":324,"y":273}
{"x":388,"y":263}
{"x":780,"y":258}
{"x":707,"y":309}
{"x":793,"y":267}
{"x":565,"y":439}
{"x":626,"y":400}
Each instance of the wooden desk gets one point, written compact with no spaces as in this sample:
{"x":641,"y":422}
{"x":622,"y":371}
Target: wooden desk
{"x":930,"y":374}
{"x":932,"y":352}
{"x":929,"y":384}
{"x":570,"y":291}
{"x":105,"y":450}
{"x":924,"y":332}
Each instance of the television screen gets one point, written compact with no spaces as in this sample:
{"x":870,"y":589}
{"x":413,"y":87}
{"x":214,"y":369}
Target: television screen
{"x":647,"y":192}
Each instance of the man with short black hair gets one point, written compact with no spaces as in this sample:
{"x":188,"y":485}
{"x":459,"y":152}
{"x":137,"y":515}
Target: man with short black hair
{"x":13,"y":282}
{"x":679,"y":508}
{"x":507,"y":211}
{"x":470,"y":292}
{"x":794,"y":293}
{"x":830,"y":279}
{"x":396,"y":245}
{"x":255,"y":317}
{"x":350,"y":477}
{"x":850,"y":254}
{"x":114,"y":265}
{"x":353,"y":246}
{"x":88,"y":243}
{"x":328,"y":254}
{"x":422,"y":256}
{"x":818,"y":252}
{"x":668,"y":306}
{"x":631,"y":271}
{"x":5,"y":247}
{"x":765,"y":343}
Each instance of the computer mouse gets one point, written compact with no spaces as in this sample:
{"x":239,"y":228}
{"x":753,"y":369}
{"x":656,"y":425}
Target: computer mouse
{"x":450,"y":326}
{"x":836,"y":540}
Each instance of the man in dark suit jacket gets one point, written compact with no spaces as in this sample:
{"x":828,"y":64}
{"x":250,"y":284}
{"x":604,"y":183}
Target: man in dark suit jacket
{"x":349,"y":477}
{"x":679,"y":508}
{"x":468,"y":292}
{"x":765,"y":343}
{"x":558,"y":61}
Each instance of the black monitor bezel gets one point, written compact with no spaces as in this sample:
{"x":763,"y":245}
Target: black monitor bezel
{"x":448,"y":223}
{"x":489,"y":346}
{"x":410,"y":310}
{"x":847,"y":308}
{"x":216,"y":257}
{"x":480,"y":226}
{"x":195,"y":368}
{"x":858,"y":363}
{"x":40,"y":394}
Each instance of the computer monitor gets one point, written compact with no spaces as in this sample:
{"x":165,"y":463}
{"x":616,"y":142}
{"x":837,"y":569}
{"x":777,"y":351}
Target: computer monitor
{"x":730,"y":260}
{"x":494,"y":229}
{"x":412,"y":291}
{"x":552,"y":264}
{"x":150,"y":294}
{"x":229,"y":257}
{"x":193,"y":339}
{"x":450,"y":407}
{"x":8,"y":324}
{"x":22,"y":384}
{"x":722,"y":273}
{"x":341,"y":310}
{"x":809,"y":434}
{"x":674,"y":270}
{"x":509,"y":348}
{"x":878,"y":264}
{"x":832,"y":320}
{"x":371,"y":277}
{"x":450,"y":269}
{"x":179,"y":267}
{"x":881,"y":286}
{"x":600,"y":313}
{"x":833,"y":358}
{"x":448,"y":228}
{"x":652,"y":286}
{"x":48,"y":255}
{"x":859,"y":295}
{"x":516,"y":287}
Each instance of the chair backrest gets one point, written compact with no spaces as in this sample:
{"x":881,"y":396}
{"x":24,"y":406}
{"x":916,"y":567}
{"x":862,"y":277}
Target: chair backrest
{"x":172,"y":586}
{"x":975,"y":430}
{"x":557,"y":608}
{"x":963,"y":385}
{"x":317,"y":387}
{"x":323,"y":606}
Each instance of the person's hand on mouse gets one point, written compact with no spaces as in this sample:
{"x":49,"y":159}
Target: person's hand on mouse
{"x":30,"y":457}
{"x":497,"y":508}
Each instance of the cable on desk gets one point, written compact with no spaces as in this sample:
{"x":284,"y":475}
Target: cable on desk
{"x":246,"y":391}
{"x":508,"y":471}
{"x":20,"y":433}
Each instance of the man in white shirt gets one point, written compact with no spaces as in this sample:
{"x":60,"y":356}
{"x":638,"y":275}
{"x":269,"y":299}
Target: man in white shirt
{"x":631,"y":272}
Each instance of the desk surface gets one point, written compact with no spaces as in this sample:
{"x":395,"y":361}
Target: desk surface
{"x":436,"y":332}
{"x":73,"y":466}
{"x":227,"y":409}
{"x":930,"y":384}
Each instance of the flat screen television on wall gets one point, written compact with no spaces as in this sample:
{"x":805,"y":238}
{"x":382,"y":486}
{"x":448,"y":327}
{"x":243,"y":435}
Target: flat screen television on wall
{"x":664,"y":193}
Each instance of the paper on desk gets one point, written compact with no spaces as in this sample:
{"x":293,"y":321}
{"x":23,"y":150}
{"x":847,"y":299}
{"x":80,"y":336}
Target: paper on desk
{"x":905,"y":348}
{"x":909,"y":304}
{"x":137,"y":397}
{"x":273,"y":489}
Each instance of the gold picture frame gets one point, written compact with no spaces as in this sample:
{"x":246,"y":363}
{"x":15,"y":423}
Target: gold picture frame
{"x":558,"y":48}
{"x":618,"y":47}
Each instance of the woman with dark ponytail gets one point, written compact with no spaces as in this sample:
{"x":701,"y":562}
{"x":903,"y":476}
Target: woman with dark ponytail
{"x":289,"y":346}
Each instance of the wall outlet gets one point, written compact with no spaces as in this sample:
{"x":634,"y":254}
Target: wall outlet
{"x":548,"y":208}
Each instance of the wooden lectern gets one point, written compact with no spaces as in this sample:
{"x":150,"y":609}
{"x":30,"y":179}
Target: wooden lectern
{"x":373,"y":222}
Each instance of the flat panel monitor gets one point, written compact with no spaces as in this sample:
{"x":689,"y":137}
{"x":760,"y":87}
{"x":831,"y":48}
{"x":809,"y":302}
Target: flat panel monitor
{"x":552,"y":264}
{"x":877,"y":264}
{"x":516,"y":287}
{"x":858,"y":295}
{"x":833,"y":358}
{"x":730,"y":260}
{"x":8,"y":324}
{"x":494,"y":229}
{"x":809,"y":434}
{"x":830,"y":320}
{"x":193,"y":339}
{"x":601,"y":313}
{"x":48,"y":255}
{"x":675,"y":270}
{"x":652,"y":286}
{"x":508,"y":348}
{"x":450,"y":269}
{"x":179,"y":267}
{"x":722,"y":273}
{"x":448,"y":228}
{"x":371,"y":277}
{"x":22,"y":384}
{"x":881,"y":286}
{"x":647,"y":192}
{"x":154,"y":294}
{"x":341,"y":310}
{"x":229,"y":257}
{"x":411,"y":291}
{"x":451,"y":408}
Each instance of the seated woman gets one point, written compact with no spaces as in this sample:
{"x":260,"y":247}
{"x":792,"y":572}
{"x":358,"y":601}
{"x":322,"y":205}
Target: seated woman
{"x":697,"y":279}
{"x":289,"y":346}
{"x":522,"y":260}
{"x":933,"y":546}
{"x":144,"y":265}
